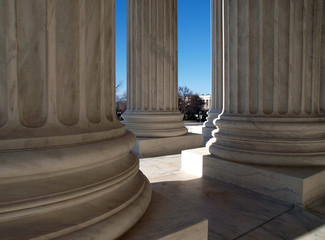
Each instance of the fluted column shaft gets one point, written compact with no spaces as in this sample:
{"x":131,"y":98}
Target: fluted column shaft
{"x":57,"y":72}
{"x":216,"y":63}
{"x":274,"y":83}
{"x":152,"y":69}
{"x":64,"y":156}
{"x":216,"y":68}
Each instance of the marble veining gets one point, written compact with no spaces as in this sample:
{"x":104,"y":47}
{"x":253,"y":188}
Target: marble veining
{"x":234,"y":212}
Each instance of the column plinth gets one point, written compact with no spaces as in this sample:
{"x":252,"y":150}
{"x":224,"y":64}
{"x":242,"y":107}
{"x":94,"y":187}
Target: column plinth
{"x":152,"y":109}
{"x":66,"y":170}
{"x":274,"y":81}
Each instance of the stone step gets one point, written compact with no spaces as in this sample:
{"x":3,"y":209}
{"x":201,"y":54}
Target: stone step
{"x":295,"y":185}
{"x":167,"y":220}
{"x":192,"y":160}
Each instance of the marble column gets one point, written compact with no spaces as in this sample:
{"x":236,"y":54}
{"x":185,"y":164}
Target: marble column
{"x":274,"y":83}
{"x":216,"y":68}
{"x":66,"y":170}
{"x":152,"y":109}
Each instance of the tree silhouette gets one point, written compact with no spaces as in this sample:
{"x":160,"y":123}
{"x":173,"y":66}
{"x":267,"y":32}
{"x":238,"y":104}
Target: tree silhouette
{"x":189,"y":104}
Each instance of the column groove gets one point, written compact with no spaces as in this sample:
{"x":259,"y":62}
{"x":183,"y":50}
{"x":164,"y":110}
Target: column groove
{"x":175,"y":65}
{"x":108,"y":59}
{"x":321,"y":12}
{"x":260,"y":67}
{"x":67,"y":61}
{"x":31,"y":56}
{"x":52,"y":118}
{"x":268,"y":51}
{"x":283,"y":57}
{"x":242,"y":54}
{"x":276,"y":56}
{"x":3,"y":70}
{"x":291,"y":56}
{"x":254,"y":60}
{"x":226,"y":103}
{"x":92,"y":67}
{"x":233,"y":39}
{"x":11,"y":59}
{"x":145,"y":56}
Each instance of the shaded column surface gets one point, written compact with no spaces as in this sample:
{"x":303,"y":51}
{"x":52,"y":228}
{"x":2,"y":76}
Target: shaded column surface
{"x":216,"y":67}
{"x":274,"y":83}
{"x":66,"y":170}
{"x":152,"y":108}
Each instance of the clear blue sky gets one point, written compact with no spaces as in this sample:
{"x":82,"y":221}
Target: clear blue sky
{"x":194,"y":54}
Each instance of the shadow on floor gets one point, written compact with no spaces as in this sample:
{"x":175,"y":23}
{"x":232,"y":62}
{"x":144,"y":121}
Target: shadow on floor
{"x":237,"y":213}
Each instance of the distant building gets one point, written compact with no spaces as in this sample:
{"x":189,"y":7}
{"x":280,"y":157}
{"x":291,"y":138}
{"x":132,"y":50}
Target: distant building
{"x":207,"y":101}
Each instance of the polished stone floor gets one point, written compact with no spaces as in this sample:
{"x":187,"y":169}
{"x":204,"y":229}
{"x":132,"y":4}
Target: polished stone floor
{"x":194,"y":126}
{"x":232,"y":212}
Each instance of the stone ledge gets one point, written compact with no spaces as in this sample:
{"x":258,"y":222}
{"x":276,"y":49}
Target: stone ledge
{"x":166,"y":220}
{"x":295,"y":185}
{"x":150,"y":147}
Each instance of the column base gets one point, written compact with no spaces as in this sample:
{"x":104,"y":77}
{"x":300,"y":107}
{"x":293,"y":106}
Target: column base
{"x":91,"y":190}
{"x":150,"y":147}
{"x":117,"y":224}
{"x":155,"y":123}
{"x":270,"y":141}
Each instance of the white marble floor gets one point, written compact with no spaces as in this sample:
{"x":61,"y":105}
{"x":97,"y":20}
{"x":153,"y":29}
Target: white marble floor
{"x":232,"y":212}
{"x":194,"y":126}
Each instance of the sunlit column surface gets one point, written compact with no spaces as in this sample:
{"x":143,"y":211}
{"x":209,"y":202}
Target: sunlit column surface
{"x":216,"y":67}
{"x":152,"y":109}
{"x":216,"y":63}
{"x":66,"y":170}
{"x":274,"y":83}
